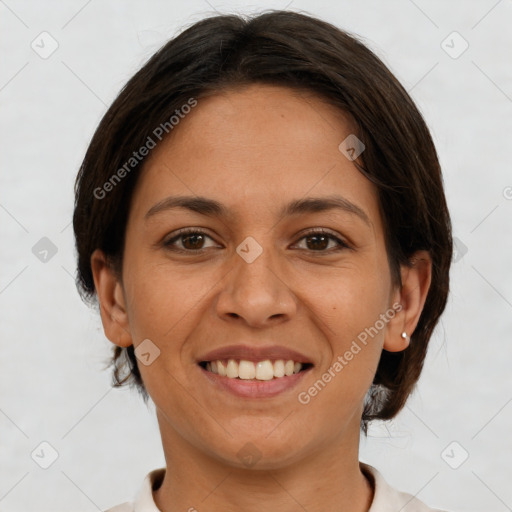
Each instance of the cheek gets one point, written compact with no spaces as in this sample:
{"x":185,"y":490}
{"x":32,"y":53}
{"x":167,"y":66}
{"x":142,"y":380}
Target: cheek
{"x":162,"y":299}
{"x":349,"y":300}
{"x":350,"y":309}
{"x":164,"y":306}
{"x":354,"y":335}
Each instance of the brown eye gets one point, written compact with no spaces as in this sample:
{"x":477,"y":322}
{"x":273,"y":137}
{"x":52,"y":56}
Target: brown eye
{"x":318,"y":241}
{"x":190,"y":241}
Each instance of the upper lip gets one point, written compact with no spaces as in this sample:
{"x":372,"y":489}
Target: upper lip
{"x":255,"y":354}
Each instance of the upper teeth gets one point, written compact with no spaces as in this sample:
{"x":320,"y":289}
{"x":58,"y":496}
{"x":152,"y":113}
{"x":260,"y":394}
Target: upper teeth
{"x":262,"y":370}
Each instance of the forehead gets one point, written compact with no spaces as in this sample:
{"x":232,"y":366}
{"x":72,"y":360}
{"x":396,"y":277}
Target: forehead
{"x":252,"y":115}
{"x":254,"y":148}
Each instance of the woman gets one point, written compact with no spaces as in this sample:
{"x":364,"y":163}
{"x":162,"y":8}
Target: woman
{"x":261,"y":218}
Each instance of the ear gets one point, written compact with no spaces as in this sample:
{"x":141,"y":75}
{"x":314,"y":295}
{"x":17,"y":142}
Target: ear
{"x":112,"y":302}
{"x":411,"y":296}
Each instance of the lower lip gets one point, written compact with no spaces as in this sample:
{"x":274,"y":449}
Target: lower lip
{"x":255,"y":388}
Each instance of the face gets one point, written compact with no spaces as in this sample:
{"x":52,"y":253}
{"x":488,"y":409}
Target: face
{"x":270,"y":275}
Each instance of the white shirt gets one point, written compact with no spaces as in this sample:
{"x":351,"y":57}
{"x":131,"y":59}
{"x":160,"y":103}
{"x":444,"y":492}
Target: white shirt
{"x":385,"y":499}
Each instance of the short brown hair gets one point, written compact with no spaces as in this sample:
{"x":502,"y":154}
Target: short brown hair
{"x":301,"y":52}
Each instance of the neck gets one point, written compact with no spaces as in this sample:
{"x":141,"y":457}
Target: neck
{"x":325,"y":479}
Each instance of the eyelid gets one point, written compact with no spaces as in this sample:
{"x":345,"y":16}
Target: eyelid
{"x":185,"y":231}
{"x":342,"y":244}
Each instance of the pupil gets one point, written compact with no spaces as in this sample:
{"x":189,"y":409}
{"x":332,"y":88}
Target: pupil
{"x":317,"y":237}
{"x":195,"y":237}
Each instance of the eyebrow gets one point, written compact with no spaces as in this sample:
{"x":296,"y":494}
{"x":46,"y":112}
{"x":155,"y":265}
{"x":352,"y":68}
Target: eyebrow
{"x":213,"y":208}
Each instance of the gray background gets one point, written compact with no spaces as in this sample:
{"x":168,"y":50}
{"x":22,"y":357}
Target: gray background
{"x":52,"y":386}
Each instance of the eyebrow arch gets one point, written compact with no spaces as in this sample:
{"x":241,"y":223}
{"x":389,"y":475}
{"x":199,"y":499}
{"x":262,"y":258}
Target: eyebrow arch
{"x":213,"y":208}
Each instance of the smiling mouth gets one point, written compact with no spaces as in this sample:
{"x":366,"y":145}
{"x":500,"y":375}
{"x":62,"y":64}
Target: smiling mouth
{"x":243,"y":369}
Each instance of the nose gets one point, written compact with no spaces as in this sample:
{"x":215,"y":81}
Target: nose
{"x":256,"y":293}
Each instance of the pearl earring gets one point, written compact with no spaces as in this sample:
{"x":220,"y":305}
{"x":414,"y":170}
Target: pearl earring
{"x":404,"y":335}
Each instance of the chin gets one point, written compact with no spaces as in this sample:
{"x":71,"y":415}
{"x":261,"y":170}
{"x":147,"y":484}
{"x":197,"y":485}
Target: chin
{"x":263,"y":452}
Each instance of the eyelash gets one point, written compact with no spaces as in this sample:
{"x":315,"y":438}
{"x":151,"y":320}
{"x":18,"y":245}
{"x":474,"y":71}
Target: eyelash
{"x":169,"y":243}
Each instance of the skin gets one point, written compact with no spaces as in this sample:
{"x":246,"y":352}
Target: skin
{"x":255,"y":149}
